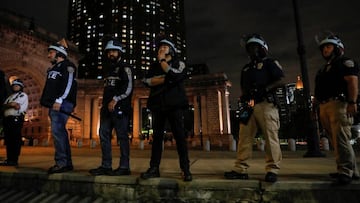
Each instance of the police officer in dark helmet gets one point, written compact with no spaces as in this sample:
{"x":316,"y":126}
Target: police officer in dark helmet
{"x":14,"y":107}
{"x":115,"y":110}
{"x":336,"y":89}
{"x":59,"y":95}
{"x":259,"y":80}
{"x":167,"y":101}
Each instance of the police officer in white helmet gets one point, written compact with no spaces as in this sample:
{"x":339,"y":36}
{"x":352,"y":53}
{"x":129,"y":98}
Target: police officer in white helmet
{"x":15,"y":107}
{"x":259,"y":80}
{"x":115,"y":111}
{"x":336,"y":91}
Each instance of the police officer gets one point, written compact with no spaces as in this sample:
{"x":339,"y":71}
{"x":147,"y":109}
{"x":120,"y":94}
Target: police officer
{"x":167,"y":101}
{"x":259,"y":80}
{"x":115,"y":110}
{"x":336,"y":89}
{"x":15,"y":107}
{"x":59,"y":95}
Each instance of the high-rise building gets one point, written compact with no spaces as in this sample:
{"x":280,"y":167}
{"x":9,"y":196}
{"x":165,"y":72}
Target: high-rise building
{"x":136,"y":23}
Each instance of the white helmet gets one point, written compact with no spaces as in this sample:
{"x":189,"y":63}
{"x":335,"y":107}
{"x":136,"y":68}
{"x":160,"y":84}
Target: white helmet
{"x":259,"y":40}
{"x":169,"y":43}
{"x":332,"y":39}
{"x":17,"y":82}
{"x":115,"y":45}
{"x":59,"y":48}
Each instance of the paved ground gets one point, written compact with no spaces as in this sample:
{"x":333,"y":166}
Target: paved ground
{"x":204,"y":164}
{"x":300,"y":179}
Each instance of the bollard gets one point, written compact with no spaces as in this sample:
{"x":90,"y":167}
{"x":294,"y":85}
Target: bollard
{"x":292,"y":144}
{"x":325,"y":144}
{"x":141,"y":144}
{"x":207,"y":145}
{"x":260,"y":144}
{"x":79,"y":143}
{"x":35,"y":142}
{"x":232,"y":145}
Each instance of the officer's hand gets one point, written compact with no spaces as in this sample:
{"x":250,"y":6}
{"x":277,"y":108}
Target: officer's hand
{"x":351,"y":109}
{"x":111,"y":105}
{"x":14,"y":105}
{"x":56,"y":106}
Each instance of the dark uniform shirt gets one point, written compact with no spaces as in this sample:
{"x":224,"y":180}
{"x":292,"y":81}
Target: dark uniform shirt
{"x":329,"y":80}
{"x":171,"y":94}
{"x":60,"y":84}
{"x":118,"y":85}
{"x":256,"y":76}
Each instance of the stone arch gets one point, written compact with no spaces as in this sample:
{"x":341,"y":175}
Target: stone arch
{"x":24,"y":54}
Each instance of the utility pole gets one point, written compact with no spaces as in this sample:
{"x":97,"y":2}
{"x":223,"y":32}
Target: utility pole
{"x":312,"y":138}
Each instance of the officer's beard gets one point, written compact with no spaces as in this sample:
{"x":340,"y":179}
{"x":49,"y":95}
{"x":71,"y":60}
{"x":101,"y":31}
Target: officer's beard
{"x":53,"y":61}
{"x":114,"y":59}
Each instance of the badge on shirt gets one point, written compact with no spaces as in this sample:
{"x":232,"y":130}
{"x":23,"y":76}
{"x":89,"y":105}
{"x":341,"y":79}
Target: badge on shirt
{"x":259,"y":66}
{"x":349,"y":63}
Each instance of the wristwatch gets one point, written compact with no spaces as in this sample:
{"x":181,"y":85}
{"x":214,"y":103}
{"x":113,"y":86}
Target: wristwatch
{"x":162,"y":60}
{"x":351,"y":102}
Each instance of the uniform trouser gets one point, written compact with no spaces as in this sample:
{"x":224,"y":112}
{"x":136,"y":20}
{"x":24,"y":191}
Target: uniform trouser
{"x":60,"y":134}
{"x":12,"y":132}
{"x":176,"y":121}
{"x":266,"y":117}
{"x":337,"y":125}
{"x":108,"y":122}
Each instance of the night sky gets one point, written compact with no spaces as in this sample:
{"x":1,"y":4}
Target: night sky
{"x":214,"y":29}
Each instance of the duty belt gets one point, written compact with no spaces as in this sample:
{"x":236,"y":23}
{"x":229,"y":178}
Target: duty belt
{"x":332,"y":99}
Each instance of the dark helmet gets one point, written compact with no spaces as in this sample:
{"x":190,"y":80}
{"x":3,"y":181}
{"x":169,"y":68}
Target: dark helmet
{"x":60,"y":48}
{"x":17,"y":82}
{"x":334,"y":40}
{"x":173,"y":49}
{"x":115,"y":45}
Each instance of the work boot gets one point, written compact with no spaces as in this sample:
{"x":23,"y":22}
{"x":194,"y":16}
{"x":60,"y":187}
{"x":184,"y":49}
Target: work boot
{"x":187,"y":177}
{"x":60,"y":169}
{"x":336,"y":175}
{"x":236,"y":175}
{"x":152,"y":172}
{"x":121,"y":172}
{"x":270,"y":177}
{"x":343,"y":179}
{"x":100,"y":171}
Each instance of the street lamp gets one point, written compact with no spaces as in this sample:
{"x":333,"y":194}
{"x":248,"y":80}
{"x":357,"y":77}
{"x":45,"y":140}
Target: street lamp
{"x":310,"y":129}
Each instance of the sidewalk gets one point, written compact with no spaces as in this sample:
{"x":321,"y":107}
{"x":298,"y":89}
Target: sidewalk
{"x":309,"y":176}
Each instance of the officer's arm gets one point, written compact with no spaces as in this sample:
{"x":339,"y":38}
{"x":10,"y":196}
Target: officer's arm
{"x":352,"y":87}
{"x":127,"y":88}
{"x":156,"y":80}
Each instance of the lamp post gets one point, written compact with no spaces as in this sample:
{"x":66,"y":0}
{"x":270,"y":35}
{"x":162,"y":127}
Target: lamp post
{"x":313,"y":148}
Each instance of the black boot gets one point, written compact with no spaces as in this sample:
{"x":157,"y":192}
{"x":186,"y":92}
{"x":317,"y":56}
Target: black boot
{"x":152,"y":172}
{"x":187,"y":177}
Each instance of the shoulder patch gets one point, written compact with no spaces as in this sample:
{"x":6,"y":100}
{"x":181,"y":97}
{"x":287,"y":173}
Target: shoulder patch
{"x":128,"y":70}
{"x":349,"y":63}
{"x":181,"y":66}
{"x":278,"y":64}
{"x":70,"y":69}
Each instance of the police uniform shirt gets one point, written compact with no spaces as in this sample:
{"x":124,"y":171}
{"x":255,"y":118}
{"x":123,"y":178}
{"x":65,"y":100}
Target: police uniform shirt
{"x":19,"y":97}
{"x":118,"y":85}
{"x":256,"y":76}
{"x":329,"y":80}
